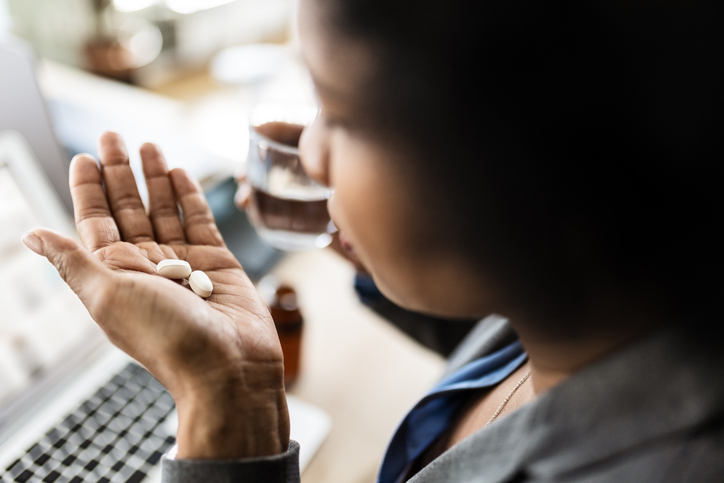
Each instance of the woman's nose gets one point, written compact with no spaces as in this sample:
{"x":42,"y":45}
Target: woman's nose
{"x":314,"y":152}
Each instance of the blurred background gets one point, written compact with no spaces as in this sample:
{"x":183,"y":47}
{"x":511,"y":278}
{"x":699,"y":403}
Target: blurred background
{"x":145,"y":42}
{"x":215,"y":57}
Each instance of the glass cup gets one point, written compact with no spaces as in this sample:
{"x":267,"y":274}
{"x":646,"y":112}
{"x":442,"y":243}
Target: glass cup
{"x":286,"y":207}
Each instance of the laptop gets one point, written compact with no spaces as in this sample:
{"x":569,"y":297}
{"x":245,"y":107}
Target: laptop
{"x":72,"y":407}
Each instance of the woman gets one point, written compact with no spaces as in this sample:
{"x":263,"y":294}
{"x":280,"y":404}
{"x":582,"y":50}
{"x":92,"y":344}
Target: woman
{"x":543,"y":160}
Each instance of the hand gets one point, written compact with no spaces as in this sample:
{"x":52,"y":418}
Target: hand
{"x":220,"y":358}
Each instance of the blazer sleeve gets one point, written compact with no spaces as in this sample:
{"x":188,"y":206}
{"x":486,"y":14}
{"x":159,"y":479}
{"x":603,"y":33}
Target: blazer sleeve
{"x":281,"y":468}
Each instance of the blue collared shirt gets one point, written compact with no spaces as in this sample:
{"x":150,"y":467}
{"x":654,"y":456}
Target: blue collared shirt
{"x":432,"y":415}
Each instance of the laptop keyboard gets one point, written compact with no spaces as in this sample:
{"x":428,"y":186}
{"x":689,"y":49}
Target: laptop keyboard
{"x":115,"y":436}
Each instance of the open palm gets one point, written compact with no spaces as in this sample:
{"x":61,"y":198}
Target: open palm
{"x":221,"y":352}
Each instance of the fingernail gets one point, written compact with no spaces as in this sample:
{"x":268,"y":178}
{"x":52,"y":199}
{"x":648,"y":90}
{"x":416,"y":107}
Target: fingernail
{"x":242,"y":195}
{"x":31,"y":241}
{"x":87,"y":155}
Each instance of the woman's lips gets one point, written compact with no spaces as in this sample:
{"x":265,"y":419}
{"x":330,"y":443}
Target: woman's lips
{"x":346,"y":245}
{"x":345,"y":248}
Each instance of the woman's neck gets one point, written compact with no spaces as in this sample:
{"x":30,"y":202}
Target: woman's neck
{"x":554,"y":357}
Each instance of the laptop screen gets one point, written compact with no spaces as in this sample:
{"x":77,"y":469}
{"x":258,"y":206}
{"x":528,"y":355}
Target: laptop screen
{"x":23,"y":109}
{"x":41,"y":320}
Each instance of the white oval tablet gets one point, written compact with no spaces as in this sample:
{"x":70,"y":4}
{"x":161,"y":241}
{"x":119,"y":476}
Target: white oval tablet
{"x":201,"y":283}
{"x":174,"y":269}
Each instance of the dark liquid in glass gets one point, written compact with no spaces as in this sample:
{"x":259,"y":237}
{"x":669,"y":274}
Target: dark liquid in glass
{"x":294,"y":215}
{"x":291,"y":215}
{"x":281,"y":132}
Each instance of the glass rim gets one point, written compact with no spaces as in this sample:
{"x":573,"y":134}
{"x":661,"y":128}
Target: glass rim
{"x":284,"y":148}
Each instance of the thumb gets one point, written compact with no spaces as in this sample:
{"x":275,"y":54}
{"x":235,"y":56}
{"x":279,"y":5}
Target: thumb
{"x":242,"y":196}
{"x":78,"y":267}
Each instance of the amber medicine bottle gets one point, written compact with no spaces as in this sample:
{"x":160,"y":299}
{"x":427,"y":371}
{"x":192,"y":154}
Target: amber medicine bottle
{"x":289,"y":323}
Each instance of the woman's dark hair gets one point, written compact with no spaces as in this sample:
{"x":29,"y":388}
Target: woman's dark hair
{"x":569,"y":142}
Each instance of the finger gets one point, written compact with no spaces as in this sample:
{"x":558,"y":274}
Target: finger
{"x":121,"y":190}
{"x":199,"y":223}
{"x":242,"y":196}
{"x":131,"y":258}
{"x":162,"y":203}
{"x":96,"y":227}
{"x":82,"y":271}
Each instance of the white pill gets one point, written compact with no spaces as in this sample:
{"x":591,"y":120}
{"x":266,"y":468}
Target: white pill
{"x":201,"y":284}
{"x":174,"y":269}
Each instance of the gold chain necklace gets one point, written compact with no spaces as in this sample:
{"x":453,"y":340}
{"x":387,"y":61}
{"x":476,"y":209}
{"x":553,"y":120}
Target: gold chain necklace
{"x":507,"y":398}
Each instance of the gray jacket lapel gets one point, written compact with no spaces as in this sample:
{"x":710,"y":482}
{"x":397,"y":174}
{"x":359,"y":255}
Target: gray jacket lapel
{"x":657,"y":390}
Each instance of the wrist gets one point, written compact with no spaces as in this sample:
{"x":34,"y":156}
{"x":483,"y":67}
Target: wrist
{"x":233,"y":420}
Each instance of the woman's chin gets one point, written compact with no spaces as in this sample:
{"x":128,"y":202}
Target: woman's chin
{"x":348,"y":248}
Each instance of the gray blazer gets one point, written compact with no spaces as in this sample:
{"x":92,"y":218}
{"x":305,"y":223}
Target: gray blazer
{"x":652,"y":412}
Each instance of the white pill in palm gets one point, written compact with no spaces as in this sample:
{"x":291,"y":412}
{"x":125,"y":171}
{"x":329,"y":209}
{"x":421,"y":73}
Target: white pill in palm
{"x":201,"y":283}
{"x":174,"y":269}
